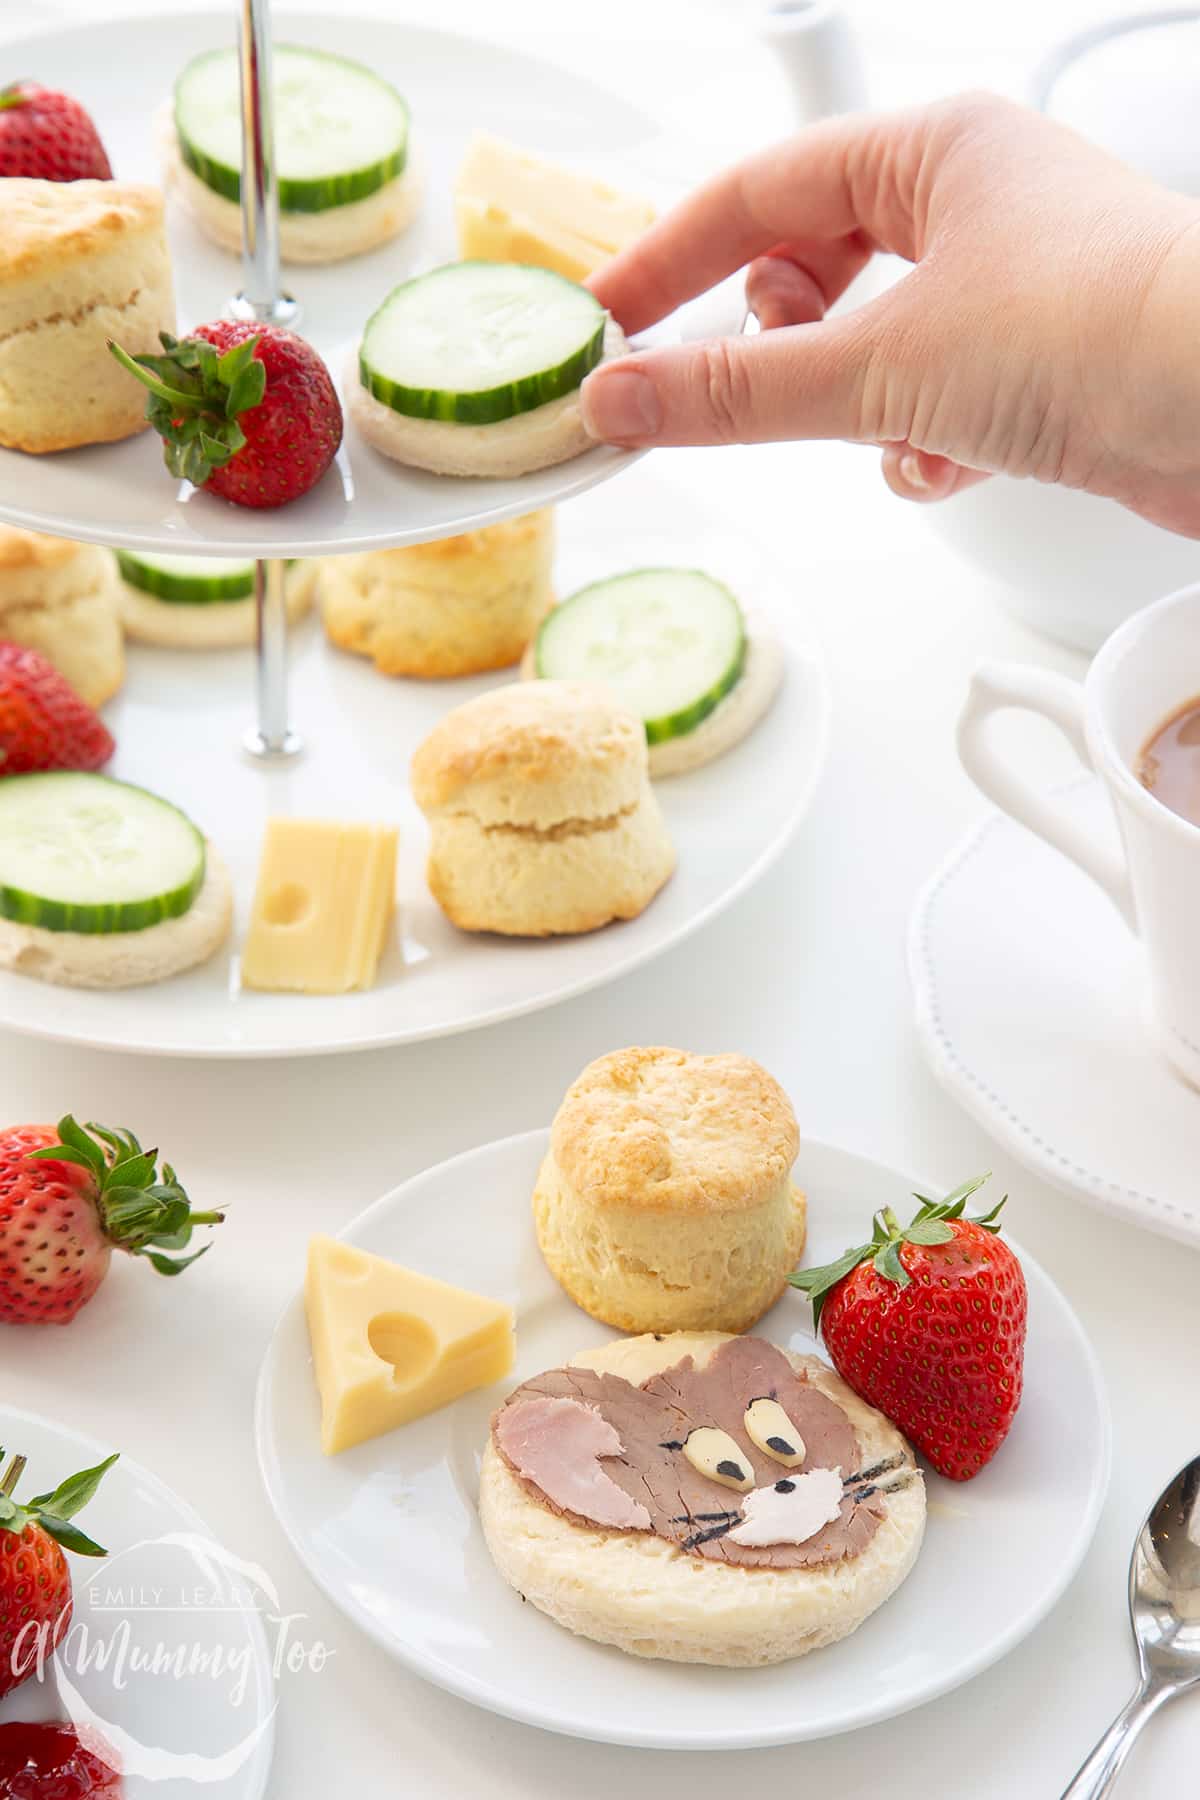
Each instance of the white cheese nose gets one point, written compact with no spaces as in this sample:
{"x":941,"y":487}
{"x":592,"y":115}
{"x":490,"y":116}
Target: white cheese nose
{"x":791,"y":1511}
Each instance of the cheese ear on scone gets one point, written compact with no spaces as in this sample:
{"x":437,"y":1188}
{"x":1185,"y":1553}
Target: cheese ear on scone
{"x":61,"y":599}
{"x":632,"y":1497}
{"x":80,"y":262}
{"x":542,"y":817}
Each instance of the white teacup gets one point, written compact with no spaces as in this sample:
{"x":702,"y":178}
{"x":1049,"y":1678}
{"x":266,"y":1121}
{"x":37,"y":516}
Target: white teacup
{"x":1146,"y":671}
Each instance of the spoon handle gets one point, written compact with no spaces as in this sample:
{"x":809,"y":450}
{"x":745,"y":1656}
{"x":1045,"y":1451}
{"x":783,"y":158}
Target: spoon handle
{"x":1099,"y":1773}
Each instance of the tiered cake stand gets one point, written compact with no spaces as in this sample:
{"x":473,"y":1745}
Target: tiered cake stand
{"x":331,"y":737}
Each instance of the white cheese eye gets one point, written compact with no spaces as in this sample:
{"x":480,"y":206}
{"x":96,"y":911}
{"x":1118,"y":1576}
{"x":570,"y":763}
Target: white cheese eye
{"x":771,"y":1431}
{"x":714,"y":1453}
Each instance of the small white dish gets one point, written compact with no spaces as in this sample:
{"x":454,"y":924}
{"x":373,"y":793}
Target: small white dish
{"x":179,"y":723}
{"x":166,"y":1590}
{"x":389,"y":1529}
{"x":122,"y":69}
{"x":1030,"y":1000}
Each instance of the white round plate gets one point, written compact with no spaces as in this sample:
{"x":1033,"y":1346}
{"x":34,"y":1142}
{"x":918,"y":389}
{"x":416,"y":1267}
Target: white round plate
{"x":166,"y":1589}
{"x":389,"y":1529}
{"x":1029,"y":998}
{"x":180,"y":720}
{"x":122,"y":69}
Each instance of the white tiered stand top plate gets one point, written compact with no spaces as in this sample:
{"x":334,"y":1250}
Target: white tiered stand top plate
{"x":123,"y":70}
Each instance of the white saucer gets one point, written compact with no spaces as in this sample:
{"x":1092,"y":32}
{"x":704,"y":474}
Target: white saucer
{"x":166,"y":1591}
{"x":389,"y":1529}
{"x":122,"y":69}
{"x":179,"y":722}
{"x":1030,"y":1008}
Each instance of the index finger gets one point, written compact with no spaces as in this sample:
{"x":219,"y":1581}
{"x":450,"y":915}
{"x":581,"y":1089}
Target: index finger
{"x":824,"y":184}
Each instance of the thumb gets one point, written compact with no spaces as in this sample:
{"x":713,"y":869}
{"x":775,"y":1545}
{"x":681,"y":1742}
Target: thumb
{"x":800,"y":381}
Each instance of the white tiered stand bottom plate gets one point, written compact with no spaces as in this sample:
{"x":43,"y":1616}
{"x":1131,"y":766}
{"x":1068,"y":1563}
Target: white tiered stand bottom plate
{"x":178,"y":724}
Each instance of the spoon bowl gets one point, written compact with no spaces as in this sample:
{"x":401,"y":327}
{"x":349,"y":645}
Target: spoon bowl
{"x":1164,"y":1610}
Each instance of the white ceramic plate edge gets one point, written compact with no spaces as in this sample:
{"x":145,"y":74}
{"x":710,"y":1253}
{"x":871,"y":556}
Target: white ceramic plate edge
{"x":96,"y":1450}
{"x":859,"y":1715}
{"x":970,"y":1090}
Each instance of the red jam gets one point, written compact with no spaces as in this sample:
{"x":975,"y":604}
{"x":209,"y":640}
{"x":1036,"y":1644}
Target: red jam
{"x":48,"y":1762}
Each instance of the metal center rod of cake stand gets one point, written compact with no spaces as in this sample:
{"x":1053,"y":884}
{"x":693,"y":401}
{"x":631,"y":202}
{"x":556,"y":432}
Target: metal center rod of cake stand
{"x":262,"y":302}
{"x":272,"y":738}
{"x":261,"y":299}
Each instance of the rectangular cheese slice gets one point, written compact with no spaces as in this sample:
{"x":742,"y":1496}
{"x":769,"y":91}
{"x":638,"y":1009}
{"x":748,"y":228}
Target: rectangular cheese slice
{"x":513,"y":207}
{"x":323,"y":906}
{"x":389,"y":1345}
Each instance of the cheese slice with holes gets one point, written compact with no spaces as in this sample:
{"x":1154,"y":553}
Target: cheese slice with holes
{"x":390,"y":1345}
{"x":511,"y":206}
{"x":323,"y":906}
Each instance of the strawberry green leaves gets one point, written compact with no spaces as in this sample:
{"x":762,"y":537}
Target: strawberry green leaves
{"x":54,"y":1512}
{"x":197,"y":395}
{"x":930,"y":1226}
{"x":138,"y":1212}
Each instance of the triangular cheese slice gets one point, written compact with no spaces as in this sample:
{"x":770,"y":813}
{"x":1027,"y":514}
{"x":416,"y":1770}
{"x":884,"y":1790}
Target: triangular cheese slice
{"x":389,"y":1345}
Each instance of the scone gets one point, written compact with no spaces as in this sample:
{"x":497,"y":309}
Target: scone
{"x":460,"y":606}
{"x":210,"y":624}
{"x":80,"y":262}
{"x":700,"y":1498}
{"x":542,"y":816}
{"x":666,"y":1201}
{"x":60,"y":598}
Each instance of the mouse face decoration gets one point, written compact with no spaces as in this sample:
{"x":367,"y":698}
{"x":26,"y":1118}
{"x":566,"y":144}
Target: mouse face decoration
{"x":742,"y":1461}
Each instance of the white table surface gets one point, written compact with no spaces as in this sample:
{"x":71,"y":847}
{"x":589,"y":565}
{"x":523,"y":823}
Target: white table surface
{"x":807,"y":974}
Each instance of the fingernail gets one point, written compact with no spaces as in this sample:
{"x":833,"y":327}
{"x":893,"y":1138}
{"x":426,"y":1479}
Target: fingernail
{"x":911,"y":472}
{"x":620,"y":406}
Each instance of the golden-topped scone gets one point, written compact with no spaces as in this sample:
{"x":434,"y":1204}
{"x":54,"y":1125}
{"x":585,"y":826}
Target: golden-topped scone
{"x":666,"y":1201}
{"x":460,"y":606}
{"x":543,"y":819}
{"x":60,"y":598}
{"x":80,"y":262}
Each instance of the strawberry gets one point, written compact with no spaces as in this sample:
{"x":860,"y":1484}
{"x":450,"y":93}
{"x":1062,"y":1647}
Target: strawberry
{"x":35,"y":1582}
{"x":67,"y":1199}
{"x":43,"y":722}
{"x":928,"y":1324}
{"x":54,"y":1762}
{"x":48,"y":136}
{"x":245,"y":411}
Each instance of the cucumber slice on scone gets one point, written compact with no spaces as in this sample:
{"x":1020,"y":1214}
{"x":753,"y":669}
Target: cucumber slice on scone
{"x":669,"y":643}
{"x":472,"y":343}
{"x":341,"y":132}
{"x":86,"y":853}
{"x":188,"y":580}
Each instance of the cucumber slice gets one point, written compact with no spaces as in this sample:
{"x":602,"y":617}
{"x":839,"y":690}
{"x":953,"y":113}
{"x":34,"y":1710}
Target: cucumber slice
{"x":669,"y":643}
{"x":86,"y":853}
{"x":475,"y":342}
{"x":341,"y":132}
{"x":191,"y":580}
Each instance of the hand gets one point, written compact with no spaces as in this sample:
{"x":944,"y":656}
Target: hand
{"x":1046,"y":329}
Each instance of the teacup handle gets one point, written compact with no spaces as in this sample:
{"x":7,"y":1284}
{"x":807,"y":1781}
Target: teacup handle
{"x":998,"y":687}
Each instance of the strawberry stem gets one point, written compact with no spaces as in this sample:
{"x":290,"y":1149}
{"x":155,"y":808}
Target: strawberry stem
{"x":12,"y":1475}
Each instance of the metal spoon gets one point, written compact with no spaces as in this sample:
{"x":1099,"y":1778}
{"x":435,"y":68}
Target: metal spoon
{"x":1164,"y":1610}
